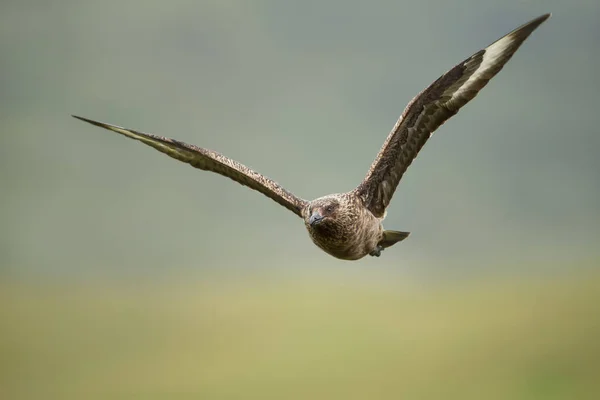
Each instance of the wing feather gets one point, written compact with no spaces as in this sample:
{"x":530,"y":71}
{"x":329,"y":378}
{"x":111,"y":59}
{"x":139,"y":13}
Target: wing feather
{"x":430,"y":109}
{"x":209,"y":160}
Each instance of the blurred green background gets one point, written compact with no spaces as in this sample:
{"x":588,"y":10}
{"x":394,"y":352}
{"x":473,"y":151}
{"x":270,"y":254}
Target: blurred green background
{"x":125,"y":274}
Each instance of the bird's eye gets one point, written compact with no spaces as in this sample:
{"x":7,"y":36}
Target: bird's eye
{"x":329,"y":209}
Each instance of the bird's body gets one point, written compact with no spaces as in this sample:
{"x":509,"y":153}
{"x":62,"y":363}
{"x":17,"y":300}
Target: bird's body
{"x":355,"y":232}
{"x":349,"y":225}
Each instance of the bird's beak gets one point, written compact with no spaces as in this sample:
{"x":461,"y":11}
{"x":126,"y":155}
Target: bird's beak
{"x":315,"y":218}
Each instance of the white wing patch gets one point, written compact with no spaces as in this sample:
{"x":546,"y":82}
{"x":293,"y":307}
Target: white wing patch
{"x":489,"y":61}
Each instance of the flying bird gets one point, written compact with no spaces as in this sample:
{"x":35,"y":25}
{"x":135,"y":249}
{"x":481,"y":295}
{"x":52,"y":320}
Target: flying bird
{"x":349,"y":225}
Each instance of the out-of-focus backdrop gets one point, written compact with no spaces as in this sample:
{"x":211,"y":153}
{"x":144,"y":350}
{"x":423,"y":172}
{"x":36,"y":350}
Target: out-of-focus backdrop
{"x":124,"y":273}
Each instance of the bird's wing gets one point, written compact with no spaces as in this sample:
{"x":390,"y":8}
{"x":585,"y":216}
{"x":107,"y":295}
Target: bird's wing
{"x":430,"y":109}
{"x":209,"y":160}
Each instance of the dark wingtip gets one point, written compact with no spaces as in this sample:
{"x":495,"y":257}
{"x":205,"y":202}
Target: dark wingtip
{"x":534,"y":23}
{"x":90,"y":121}
{"x":82,"y":119}
{"x":520,"y":34}
{"x":543,"y":17}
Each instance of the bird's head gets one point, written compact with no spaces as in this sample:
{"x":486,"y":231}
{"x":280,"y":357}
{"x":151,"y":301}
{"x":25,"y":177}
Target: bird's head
{"x":323,"y":212}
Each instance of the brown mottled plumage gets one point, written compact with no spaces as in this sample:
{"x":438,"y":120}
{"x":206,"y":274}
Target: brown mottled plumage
{"x":349,"y":225}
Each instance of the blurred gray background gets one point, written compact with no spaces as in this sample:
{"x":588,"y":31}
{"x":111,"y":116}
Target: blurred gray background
{"x":124,"y":273}
{"x":304,"y":92}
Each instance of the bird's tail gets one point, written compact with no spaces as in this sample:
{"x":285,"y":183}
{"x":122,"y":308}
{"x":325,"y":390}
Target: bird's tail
{"x":390,"y":238}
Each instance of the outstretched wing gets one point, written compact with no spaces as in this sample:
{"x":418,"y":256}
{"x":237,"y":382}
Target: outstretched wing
{"x":209,"y":160}
{"x":430,"y":109}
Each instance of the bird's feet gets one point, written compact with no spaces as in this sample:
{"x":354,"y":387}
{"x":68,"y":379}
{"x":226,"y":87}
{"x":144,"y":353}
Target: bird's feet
{"x":377,"y":251}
